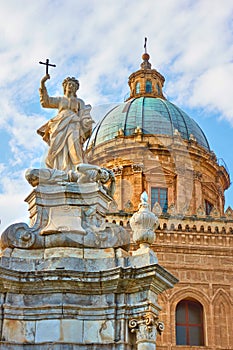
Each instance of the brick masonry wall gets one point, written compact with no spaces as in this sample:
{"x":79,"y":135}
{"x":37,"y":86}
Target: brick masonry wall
{"x":205,"y":273}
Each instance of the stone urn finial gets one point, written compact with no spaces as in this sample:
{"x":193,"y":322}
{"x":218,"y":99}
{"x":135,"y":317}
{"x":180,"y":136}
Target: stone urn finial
{"x":143,"y":223}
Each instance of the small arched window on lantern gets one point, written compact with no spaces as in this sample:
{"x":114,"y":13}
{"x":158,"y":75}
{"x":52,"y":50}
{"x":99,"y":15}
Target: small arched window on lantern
{"x":148,"y":86}
{"x":158,"y":89}
{"x":137,"y":88}
{"x":189,"y":323}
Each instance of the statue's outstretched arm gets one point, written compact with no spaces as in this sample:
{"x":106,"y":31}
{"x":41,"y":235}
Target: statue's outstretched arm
{"x":43,"y":80}
{"x":45,"y":100}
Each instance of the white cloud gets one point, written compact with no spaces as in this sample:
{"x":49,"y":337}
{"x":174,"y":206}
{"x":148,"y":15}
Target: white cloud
{"x":101,"y":42}
{"x":94,"y":40}
{"x":12,"y":194}
{"x":212,"y":90}
{"x":12,"y":210}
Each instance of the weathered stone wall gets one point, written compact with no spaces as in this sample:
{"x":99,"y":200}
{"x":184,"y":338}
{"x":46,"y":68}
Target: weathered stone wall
{"x":80,"y":298}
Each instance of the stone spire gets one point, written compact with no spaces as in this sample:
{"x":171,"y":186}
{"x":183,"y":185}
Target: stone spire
{"x":146,"y":81}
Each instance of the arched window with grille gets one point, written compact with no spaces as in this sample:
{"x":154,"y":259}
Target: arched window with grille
{"x":189,"y":323}
{"x":148,"y":86}
{"x":137,"y":88}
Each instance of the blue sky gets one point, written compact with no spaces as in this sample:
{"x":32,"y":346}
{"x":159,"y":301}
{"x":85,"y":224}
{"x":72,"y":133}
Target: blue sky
{"x":101,"y":42}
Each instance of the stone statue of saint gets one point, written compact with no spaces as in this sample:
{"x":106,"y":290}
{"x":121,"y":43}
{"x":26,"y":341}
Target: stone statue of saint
{"x":68,"y":130}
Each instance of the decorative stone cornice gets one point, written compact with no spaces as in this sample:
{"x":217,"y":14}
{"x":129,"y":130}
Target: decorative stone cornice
{"x":204,"y":241}
{"x":43,"y":275}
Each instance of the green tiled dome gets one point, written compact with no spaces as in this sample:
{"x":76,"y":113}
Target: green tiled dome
{"x":155,"y":116}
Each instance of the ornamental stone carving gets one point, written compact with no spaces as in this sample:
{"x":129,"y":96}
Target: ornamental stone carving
{"x":84,"y":174}
{"x":143,"y":223}
{"x":118,"y":170}
{"x":65,"y":214}
{"x":214,"y":212}
{"x":197,"y":175}
{"x":113,"y":207}
{"x":128,"y":206}
{"x":201,"y":211}
{"x":120,"y":132}
{"x":192,"y":138}
{"x":172,"y":209}
{"x":229,"y":212}
{"x":137,"y":168}
{"x":138,"y":130}
{"x":18,"y":235}
{"x":177,"y":137}
{"x":157,"y":210}
{"x":146,"y":328}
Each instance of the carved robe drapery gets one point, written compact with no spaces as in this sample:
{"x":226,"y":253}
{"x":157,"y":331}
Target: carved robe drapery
{"x":66,"y":132}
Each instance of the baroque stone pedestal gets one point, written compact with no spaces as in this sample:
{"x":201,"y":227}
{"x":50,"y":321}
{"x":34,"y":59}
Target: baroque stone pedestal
{"x":80,"y":298}
{"x":68,"y":282}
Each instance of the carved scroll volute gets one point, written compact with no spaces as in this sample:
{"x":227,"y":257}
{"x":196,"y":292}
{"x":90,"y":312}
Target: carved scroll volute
{"x":133,"y":325}
{"x":18,"y":236}
{"x":146,"y":328}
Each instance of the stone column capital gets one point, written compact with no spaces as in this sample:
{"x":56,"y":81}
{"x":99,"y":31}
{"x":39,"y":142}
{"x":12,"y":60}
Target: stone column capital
{"x":146,"y":328}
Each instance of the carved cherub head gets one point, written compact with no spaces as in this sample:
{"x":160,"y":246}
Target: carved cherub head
{"x":32,"y":176}
{"x":104,"y":175}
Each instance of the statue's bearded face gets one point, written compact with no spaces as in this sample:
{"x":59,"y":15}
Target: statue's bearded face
{"x":70,"y":88}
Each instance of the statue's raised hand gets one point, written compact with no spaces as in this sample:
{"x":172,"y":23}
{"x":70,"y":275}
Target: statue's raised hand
{"x":43,"y":80}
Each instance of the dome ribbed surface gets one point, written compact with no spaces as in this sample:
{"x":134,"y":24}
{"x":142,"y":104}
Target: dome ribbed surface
{"x":154,"y":116}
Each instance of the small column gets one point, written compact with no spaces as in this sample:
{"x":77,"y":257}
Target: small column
{"x":137,"y":182}
{"x":197,"y":200}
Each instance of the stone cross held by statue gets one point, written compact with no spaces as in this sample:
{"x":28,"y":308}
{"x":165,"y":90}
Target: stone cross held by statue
{"x":47,"y":64}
